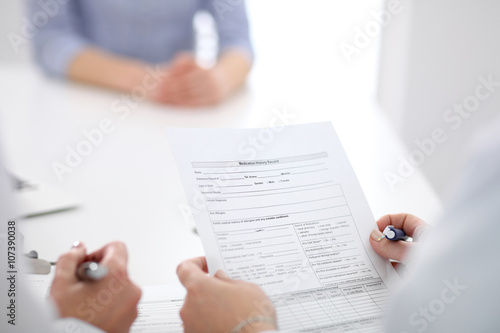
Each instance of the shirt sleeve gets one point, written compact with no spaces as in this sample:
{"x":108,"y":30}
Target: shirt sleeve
{"x":457,"y":271}
{"x":232,"y":26}
{"x":57,"y":37}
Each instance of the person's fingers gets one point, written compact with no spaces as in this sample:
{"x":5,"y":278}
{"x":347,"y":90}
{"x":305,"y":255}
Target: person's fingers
{"x":188,"y":93}
{"x":196,"y":102}
{"x":407,"y":222}
{"x":190,"y":96}
{"x":182,"y":63}
{"x":221,"y":275}
{"x":193,"y":98}
{"x":196,"y":91}
{"x":192,"y":270}
{"x":172,"y":89}
{"x":114,"y":256}
{"x":191,"y":88}
{"x":396,"y":250}
{"x":67,"y":263}
{"x":158,"y":94}
{"x":198,"y":75}
{"x":193,"y":80}
{"x":200,"y":262}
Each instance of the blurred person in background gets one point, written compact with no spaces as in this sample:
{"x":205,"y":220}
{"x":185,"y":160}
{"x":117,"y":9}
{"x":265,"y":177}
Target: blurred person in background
{"x":125,"y":44}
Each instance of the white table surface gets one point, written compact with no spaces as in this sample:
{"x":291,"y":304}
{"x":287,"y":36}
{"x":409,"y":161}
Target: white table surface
{"x":129,"y":186}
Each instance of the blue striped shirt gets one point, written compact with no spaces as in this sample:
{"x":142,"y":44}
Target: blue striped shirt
{"x":149,"y":30}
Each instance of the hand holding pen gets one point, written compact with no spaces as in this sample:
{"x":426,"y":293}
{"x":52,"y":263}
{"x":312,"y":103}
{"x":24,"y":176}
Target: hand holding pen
{"x":96,"y":287}
{"x":389,"y":239}
{"x":393,"y":234}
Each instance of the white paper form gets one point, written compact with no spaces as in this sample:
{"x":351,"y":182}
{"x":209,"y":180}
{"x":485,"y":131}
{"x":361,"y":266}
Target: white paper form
{"x":158,"y":310}
{"x":283,"y":208}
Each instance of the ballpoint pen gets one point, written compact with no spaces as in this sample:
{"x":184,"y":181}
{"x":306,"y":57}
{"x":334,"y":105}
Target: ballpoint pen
{"x":393,"y":234}
{"x":91,"y":271}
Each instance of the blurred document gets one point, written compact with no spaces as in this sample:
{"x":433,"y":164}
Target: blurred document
{"x":39,"y":284}
{"x":282,"y":207}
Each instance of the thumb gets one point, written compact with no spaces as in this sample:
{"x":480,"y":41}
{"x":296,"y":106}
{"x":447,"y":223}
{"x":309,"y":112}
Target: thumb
{"x":182,"y":62}
{"x":220,"y":274}
{"x":68,"y":263}
{"x":395,"y":250}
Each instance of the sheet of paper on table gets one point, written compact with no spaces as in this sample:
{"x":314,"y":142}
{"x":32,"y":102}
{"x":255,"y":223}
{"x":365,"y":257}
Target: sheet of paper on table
{"x":158,"y":309}
{"x":282,"y":207}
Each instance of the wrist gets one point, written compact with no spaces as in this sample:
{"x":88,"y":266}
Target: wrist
{"x":223,"y":81}
{"x":132,"y":76}
{"x":255,"y":324}
{"x":97,"y":67}
{"x":234,"y":67}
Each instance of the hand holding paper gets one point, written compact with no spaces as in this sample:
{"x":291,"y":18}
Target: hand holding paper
{"x":289,"y":216}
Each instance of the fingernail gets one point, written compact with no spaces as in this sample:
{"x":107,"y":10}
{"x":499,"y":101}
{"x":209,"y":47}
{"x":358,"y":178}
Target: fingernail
{"x":376,"y":235}
{"x":77,"y":244}
{"x":221,"y":274}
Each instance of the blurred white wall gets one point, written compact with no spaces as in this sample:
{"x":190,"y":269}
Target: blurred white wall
{"x":301,"y":40}
{"x":11,"y":25}
{"x":435,"y":59}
